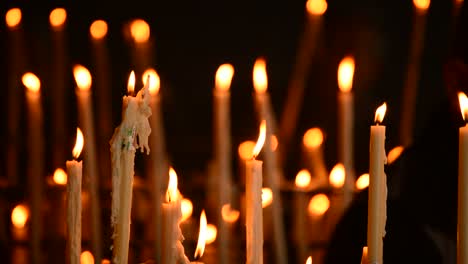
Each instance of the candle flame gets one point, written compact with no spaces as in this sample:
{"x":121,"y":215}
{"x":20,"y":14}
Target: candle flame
{"x":229,"y":215}
{"x":19,"y":216}
{"x":78,"y":144}
{"x":245,"y":149}
{"x":267,"y":197}
{"x":309,"y":260}
{"x":131,"y":83}
{"x":140,"y":31}
{"x":303,"y":179}
{"x":260,"y":78}
{"x":316,"y":7}
{"x":186,"y":208}
{"x":98,"y":29}
{"x":82,"y":77}
{"x":380,"y":113}
{"x":60,"y":177}
{"x":463,"y":100}
{"x":313,"y":138}
{"x":172,"y":186}
{"x":394,"y":154}
{"x":13,"y":17}
{"x":346,"y":74}
{"x":364,"y":258}
{"x":86,"y":257}
{"x":362,"y":182}
{"x":422,"y":5}
{"x":31,"y":82}
{"x":224,"y":77}
{"x":261,"y":139}
{"x":318,"y":205}
{"x":211,"y":234}
{"x":201,"y":236}
{"x":337,"y":176}
{"x":155,"y":82}
{"x":57,"y":17}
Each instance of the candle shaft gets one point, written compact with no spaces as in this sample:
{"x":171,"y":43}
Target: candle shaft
{"x":254,"y":216}
{"x":462,"y":247}
{"x":346,"y":140}
{"x":317,"y":167}
{"x":300,"y":223}
{"x":171,"y":213}
{"x":74,"y":170}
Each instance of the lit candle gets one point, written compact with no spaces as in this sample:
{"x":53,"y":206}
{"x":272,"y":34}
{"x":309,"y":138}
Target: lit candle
{"x":313,"y":142}
{"x":253,"y":196}
{"x":364,"y":259}
{"x":86,"y":257}
{"x":377,"y":206}
{"x":74,"y":169}
{"x":124,"y":143}
{"x":362,"y":182}
{"x":346,"y":125}
{"x":85,"y":114}
{"x":19,"y":218}
{"x":35,"y":168}
{"x":309,"y":260}
{"x":141,"y":53}
{"x":462,"y":242}
{"x":302,"y":183}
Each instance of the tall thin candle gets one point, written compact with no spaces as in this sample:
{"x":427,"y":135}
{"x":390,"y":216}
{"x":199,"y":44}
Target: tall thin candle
{"x":462,"y":242}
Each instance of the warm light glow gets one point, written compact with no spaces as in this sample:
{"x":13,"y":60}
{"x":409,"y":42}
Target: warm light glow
{"x":260,"y":78}
{"x":309,"y":260}
{"x":229,"y":215}
{"x":78,"y":143}
{"x":172,"y":186}
{"x":313,"y":138}
{"x":98,"y":29}
{"x":463,"y":100}
{"x":245,"y":149}
{"x":60,"y":177}
{"x":303,"y":179}
{"x":316,"y":7}
{"x":364,"y":255}
{"x":31,"y":82}
{"x":155,"y":82}
{"x":140,"y":30}
{"x":86,"y":258}
{"x":261,"y":139}
{"x":346,"y":74}
{"x":186,"y":208}
{"x":211,"y":233}
{"x":274,"y":142}
{"x":57,"y":17}
{"x":337,"y":176}
{"x":131,"y":83}
{"x":267,"y":197}
{"x":380,"y":113}
{"x":362,"y":182}
{"x":13,"y":17}
{"x":105,"y":261}
{"x":19,"y":216}
{"x":224,"y":77}
{"x":422,"y":5}
{"x":394,"y":154}
{"x":318,"y":205}
{"x":201,"y":236}
{"x":82,"y":77}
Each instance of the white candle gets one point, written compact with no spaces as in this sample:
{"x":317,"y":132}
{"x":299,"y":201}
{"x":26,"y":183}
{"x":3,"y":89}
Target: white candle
{"x":124,"y":143}
{"x":377,"y":206}
{"x":302,"y":183}
{"x":85,"y":117}
{"x":462,"y":242}
{"x":74,"y":169}
{"x":313,"y":142}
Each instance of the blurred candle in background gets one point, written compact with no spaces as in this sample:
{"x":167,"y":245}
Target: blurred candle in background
{"x":19,"y":218}
{"x":318,"y":226}
{"x":142,"y":53}
{"x":302,"y":184}
{"x":462,"y":242}
{"x":313,"y":147}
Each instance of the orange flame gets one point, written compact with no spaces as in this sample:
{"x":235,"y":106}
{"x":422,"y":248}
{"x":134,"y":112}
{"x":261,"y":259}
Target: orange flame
{"x":362,"y":182}
{"x":186,"y":208}
{"x":313,"y":138}
{"x":318,"y":205}
{"x":201,"y":236}
{"x":229,"y":215}
{"x":31,"y":82}
{"x":78,"y":144}
{"x":380,"y":113}
{"x":303,"y":179}
{"x":337,"y":176}
{"x":346,"y":74}
{"x":224,"y":77}
{"x":98,"y":29}
{"x":60,"y":177}
{"x":171,"y":194}
{"x":211,"y":233}
{"x":131,"y":83}
{"x":261,"y":139}
{"x":245,"y":149}
{"x":309,"y":260}
{"x":316,"y":7}
{"x":422,"y":5}
{"x":86,"y":257}
{"x":155,"y":82}
{"x":13,"y":17}
{"x":260,"y":78}
{"x":394,"y":154}
{"x":82,"y":77}
{"x":19,"y":216}
{"x":57,"y":17}
{"x":267,"y":197}
{"x":463,"y":100}
{"x":140,"y":30}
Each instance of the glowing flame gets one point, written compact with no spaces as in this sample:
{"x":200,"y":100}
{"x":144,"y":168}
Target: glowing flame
{"x":155,"y":82}
{"x":422,"y":5}
{"x":57,"y":17}
{"x":13,"y":17}
{"x":380,"y":113}
{"x":261,"y":139}
{"x":318,"y":205}
{"x":224,"y":77}
{"x":78,"y":144}
{"x":245,"y":149}
{"x":364,"y":258}
{"x":267,"y":197}
{"x":463,"y":100}
{"x":313,"y":138}
{"x":211,"y":233}
{"x":186,"y":208}
{"x":60,"y":177}
{"x":362,"y":182}
{"x":82,"y":77}
{"x":303,"y":179}
{"x":98,"y":29}
{"x":86,"y":258}
{"x":31,"y":82}
{"x":201,"y":236}
{"x":229,"y":215}
{"x":19,"y":216}
{"x":346,"y":74}
{"x":394,"y":154}
{"x":274,"y":143}
{"x":260,"y":76}
{"x":131,"y":83}
{"x":337,"y":176}
{"x":309,"y":260}
{"x":171,"y":194}
{"x":140,"y":30}
{"x":316,"y":7}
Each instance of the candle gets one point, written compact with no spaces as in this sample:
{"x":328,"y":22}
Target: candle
{"x":318,"y":206}
{"x":462,"y":242}
{"x":309,"y":260}
{"x":86,"y":257}
{"x":124,"y":144}
{"x":253,"y":196}
{"x":141,"y":52}
{"x":313,"y":141}
{"x":302,"y":183}
{"x":362,"y":182}
{"x":346,"y":125}
{"x":19,"y":218}
{"x":74,"y":169}
{"x":85,"y":115}
{"x":377,"y":206}
{"x":364,"y":259}
{"x":35,"y":168}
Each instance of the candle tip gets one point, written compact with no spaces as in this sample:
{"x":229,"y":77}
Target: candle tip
{"x":57,"y":17}
{"x":261,"y":139}
{"x":346,"y":74}
{"x":224,"y":77}
{"x":380,"y":113}
{"x":155,"y":82}
{"x":260,"y":78}
{"x":13,"y":17}
{"x":98,"y":29}
{"x":131,"y":83}
{"x":316,"y":7}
